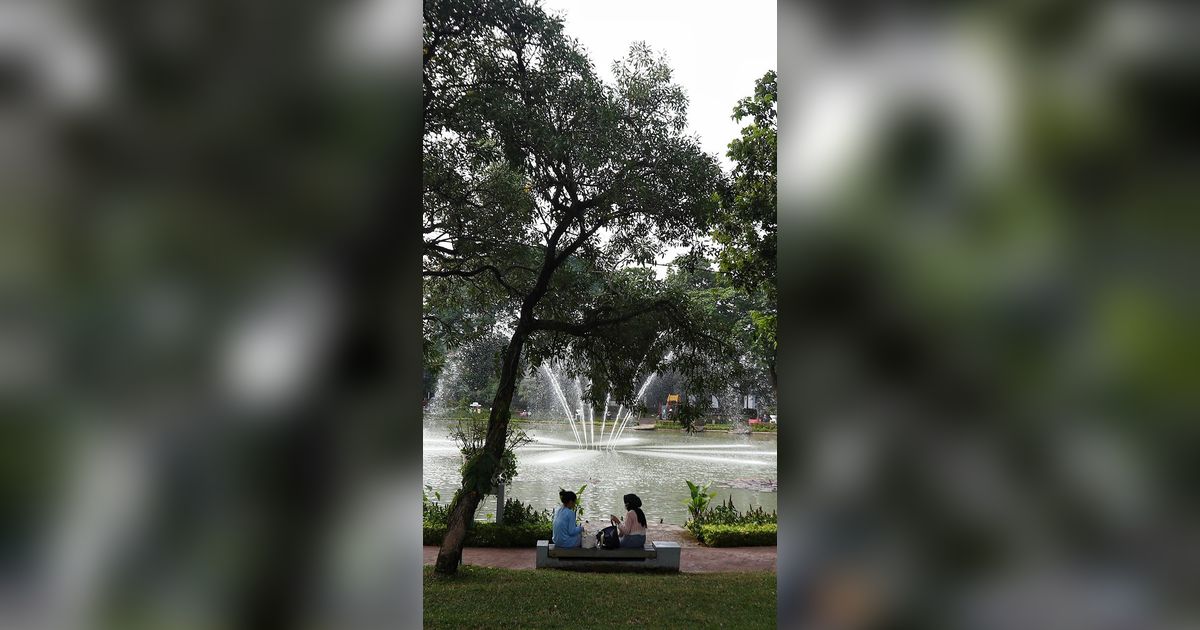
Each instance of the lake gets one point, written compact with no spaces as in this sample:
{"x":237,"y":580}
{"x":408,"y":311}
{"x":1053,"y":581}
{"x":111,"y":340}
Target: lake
{"x":655,"y":465}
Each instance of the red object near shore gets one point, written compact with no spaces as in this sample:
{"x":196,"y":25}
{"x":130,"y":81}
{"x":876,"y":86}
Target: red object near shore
{"x":755,"y":421}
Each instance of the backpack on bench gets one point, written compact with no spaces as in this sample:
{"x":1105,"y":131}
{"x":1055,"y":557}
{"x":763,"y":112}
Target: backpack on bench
{"x":608,"y":538}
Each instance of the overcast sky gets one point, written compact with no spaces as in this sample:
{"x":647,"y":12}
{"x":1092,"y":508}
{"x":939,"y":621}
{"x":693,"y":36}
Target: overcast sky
{"x":717,"y":49}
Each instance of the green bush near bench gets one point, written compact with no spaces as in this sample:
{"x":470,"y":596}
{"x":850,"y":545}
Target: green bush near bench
{"x":491,"y":534}
{"x":739,"y":535}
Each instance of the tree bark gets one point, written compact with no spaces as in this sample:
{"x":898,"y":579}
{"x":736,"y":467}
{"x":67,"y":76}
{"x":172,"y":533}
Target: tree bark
{"x":463,"y":510}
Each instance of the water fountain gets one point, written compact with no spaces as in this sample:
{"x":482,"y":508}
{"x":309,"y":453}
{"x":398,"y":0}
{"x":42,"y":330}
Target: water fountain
{"x":439,"y":405}
{"x":641,"y":392}
{"x":571,"y":450}
{"x":552,"y":378}
{"x":581,"y":416}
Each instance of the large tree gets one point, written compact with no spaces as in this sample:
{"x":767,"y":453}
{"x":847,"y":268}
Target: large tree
{"x":748,"y":226}
{"x":548,"y":193}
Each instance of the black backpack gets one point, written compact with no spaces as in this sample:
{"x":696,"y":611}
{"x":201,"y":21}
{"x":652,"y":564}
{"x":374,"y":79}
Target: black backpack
{"x":608,"y":538}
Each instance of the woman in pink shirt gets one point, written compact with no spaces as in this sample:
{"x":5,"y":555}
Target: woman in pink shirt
{"x":633,"y":528}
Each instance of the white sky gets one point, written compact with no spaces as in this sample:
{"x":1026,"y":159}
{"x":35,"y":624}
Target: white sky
{"x":717,"y":48}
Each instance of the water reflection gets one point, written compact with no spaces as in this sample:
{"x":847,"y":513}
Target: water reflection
{"x":654,"y":464}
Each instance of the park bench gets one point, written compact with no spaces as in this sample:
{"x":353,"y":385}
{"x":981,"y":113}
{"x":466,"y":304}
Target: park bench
{"x":655,"y":556}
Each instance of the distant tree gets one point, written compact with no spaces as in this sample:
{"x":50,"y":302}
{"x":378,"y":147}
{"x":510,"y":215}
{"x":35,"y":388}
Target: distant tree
{"x":741,"y":366}
{"x":748,"y":225}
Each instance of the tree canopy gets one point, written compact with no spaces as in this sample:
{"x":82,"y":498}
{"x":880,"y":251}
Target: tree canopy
{"x":747,"y":228}
{"x":545,"y":185}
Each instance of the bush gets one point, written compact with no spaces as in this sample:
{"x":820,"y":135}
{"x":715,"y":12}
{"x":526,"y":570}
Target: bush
{"x":517,"y":513}
{"x":433,"y":510}
{"x":738,"y":535}
{"x":491,"y":534}
{"x":726,"y":514}
{"x":432,"y":533}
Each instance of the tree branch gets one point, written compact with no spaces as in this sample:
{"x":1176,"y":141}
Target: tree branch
{"x":474,"y":272}
{"x":589,"y":325}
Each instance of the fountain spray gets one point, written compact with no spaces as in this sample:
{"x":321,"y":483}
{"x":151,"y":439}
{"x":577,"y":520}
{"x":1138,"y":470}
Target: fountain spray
{"x":563,"y":400}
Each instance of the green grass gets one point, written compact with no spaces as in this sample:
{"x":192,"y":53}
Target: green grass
{"x":481,"y":597}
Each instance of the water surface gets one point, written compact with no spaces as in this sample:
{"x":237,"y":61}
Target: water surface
{"x":655,"y":465}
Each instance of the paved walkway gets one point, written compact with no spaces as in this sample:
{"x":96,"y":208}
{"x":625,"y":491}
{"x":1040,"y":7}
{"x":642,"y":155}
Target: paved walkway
{"x":692,"y":559}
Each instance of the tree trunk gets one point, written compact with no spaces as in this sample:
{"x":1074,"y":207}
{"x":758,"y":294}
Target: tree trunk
{"x":462,"y":512}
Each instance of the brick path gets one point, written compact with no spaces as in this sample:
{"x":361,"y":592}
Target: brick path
{"x":693,"y":559}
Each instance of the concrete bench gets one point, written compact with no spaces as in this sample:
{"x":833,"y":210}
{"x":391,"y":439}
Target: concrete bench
{"x":655,"y":556}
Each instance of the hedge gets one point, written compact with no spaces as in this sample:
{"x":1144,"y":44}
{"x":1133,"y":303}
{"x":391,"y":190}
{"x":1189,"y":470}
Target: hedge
{"x":491,"y":534}
{"x":738,"y":535}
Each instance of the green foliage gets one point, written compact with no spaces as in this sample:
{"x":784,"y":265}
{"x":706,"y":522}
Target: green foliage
{"x":523,"y":526}
{"x":697,"y":503}
{"x":725,"y":513}
{"x":521,"y":208}
{"x":748,"y":225}
{"x":491,"y":534}
{"x":714,"y":535}
{"x":470,"y":434}
{"x":687,"y":414}
{"x":480,"y":472}
{"x":433,"y":510}
{"x":517,"y":513}
{"x":764,"y":324}
{"x":476,"y":373}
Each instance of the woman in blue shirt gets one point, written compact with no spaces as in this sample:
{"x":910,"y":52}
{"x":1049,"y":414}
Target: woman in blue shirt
{"x":566,"y":532}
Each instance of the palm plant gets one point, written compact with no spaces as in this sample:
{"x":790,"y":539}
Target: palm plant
{"x":697,"y":504}
{"x":579,"y":503}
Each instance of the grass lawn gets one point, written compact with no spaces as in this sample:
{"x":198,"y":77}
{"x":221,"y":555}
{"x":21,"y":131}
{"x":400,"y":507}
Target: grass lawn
{"x":481,"y":597}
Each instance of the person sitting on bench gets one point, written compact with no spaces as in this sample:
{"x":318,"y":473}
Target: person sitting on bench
{"x":633,"y":528}
{"x":567,"y":534}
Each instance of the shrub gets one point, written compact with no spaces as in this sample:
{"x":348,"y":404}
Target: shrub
{"x":432,"y":533}
{"x":470,"y":434}
{"x":726,"y":514}
{"x":491,"y":534}
{"x":723,"y":514}
{"x":433,"y":511}
{"x":738,"y":535}
{"x":517,"y":513}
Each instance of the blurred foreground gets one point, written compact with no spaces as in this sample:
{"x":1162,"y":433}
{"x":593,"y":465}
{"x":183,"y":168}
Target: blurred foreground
{"x":989,"y":316}
{"x":208,"y":293}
